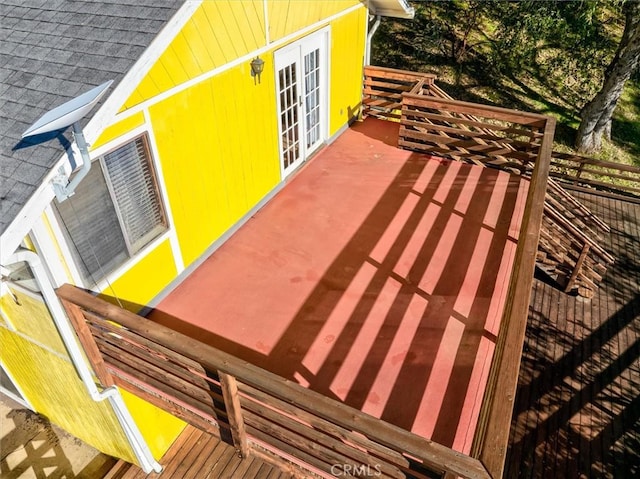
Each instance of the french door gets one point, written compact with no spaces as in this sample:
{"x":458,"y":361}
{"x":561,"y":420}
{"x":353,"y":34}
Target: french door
{"x":301,"y":79}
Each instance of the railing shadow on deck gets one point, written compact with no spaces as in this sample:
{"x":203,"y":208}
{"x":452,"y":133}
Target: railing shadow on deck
{"x":214,"y":390}
{"x":301,"y":423}
{"x":408,"y":391}
{"x":578,"y":407}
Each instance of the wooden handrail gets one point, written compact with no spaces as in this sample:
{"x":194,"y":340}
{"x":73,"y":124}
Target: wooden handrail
{"x":571,"y":170}
{"x":396,"y":74}
{"x":383,"y":88}
{"x":492,"y":436}
{"x":433,"y":455}
{"x":486,"y":111}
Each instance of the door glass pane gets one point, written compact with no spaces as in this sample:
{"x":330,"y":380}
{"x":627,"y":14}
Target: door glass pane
{"x":289,"y":115}
{"x":312,"y":97}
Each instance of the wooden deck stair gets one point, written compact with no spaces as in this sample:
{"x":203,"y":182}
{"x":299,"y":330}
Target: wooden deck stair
{"x":432,"y":122}
{"x":198,"y":455}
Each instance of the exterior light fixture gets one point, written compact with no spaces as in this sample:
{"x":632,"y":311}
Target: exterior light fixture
{"x":257,"y":66}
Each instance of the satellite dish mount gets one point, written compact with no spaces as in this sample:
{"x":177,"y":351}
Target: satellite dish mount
{"x":70,"y":113}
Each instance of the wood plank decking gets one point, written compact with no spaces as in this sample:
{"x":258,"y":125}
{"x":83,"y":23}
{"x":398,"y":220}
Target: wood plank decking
{"x":198,"y":455}
{"x":577,"y":411}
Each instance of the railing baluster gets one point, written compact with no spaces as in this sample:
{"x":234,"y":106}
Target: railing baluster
{"x":234,"y":413}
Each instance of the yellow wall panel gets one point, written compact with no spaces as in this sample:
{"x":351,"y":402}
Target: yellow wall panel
{"x":39,"y":371}
{"x":117,"y":129}
{"x":348,"y":38}
{"x":158,"y":428}
{"x":51,"y":386}
{"x":186,"y":53}
{"x":199,"y":50}
{"x":31,"y":317}
{"x":56,"y":244}
{"x":218,"y":151}
{"x":287,"y":17}
{"x":146,"y":279}
{"x":200,"y":23}
{"x":218,"y":32}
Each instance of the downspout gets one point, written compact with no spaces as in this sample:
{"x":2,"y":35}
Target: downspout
{"x":111,"y":394}
{"x":372,"y":31}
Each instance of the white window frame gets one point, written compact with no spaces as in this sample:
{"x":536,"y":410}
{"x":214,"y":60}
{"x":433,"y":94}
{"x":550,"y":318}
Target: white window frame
{"x":169,"y":233}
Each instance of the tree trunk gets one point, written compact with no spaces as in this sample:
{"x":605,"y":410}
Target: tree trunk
{"x":596,"y":115}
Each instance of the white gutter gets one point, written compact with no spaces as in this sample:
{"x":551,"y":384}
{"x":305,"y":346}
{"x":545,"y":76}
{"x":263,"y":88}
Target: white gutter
{"x":392,"y":8}
{"x":112,"y":394}
{"x":367,"y":48}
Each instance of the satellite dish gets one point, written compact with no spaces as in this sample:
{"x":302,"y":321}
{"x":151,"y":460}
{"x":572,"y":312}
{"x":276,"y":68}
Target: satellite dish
{"x":68,"y":113}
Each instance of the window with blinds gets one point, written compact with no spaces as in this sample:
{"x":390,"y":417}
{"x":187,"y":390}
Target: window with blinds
{"x":115,"y":211}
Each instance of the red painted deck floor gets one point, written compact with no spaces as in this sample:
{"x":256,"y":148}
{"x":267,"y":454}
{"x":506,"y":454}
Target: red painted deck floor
{"x":376,"y":276}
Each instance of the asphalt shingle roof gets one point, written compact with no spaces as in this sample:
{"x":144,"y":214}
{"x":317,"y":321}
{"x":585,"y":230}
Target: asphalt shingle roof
{"x":51,"y":51}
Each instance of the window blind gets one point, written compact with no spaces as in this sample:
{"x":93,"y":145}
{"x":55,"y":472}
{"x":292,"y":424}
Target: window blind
{"x":115,"y":211}
{"x":136,"y":195}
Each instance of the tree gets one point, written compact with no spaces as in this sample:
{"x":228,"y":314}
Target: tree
{"x":596,"y":115}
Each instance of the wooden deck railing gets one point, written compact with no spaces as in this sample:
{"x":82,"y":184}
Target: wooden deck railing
{"x":482,"y":134}
{"x":610,"y":179}
{"x":383,"y":89}
{"x":432,"y":122}
{"x":256,"y":409}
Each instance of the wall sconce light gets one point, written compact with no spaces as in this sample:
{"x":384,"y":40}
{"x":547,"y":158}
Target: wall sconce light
{"x":257,"y":66}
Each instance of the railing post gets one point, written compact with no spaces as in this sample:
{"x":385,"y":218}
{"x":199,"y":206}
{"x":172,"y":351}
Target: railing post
{"x":88,"y":343}
{"x":234,"y":413}
{"x":578,"y":173}
{"x":577,"y":268}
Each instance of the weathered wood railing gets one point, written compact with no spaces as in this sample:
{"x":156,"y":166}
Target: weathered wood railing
{"x":596,"y":176}
{"x":466,"y":131}
{"x":261,"y":413}
{"x":432,"y":122}
{"x":383,"y":89}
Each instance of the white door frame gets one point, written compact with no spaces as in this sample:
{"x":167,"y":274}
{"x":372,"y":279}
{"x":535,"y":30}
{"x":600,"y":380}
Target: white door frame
{"x":295,"y":54}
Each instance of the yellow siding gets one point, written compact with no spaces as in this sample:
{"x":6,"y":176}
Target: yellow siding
{"x":56,"y":244}
{"x":146,"y":279}
{"x":217,"y":142}
{"x":51,"y":385}
{"x":29,"y":244}
{"x":118,"y":129}
{"x":31,"y":317}
{"x":287,"y":17}
{"x":218,"y":146}
{"x":159,"y":428}
{"x":348,"y":37}
{"x":217,"y":33}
